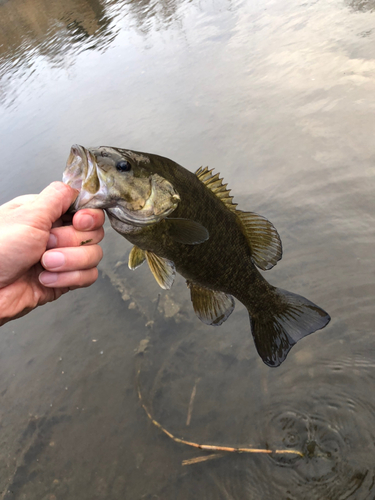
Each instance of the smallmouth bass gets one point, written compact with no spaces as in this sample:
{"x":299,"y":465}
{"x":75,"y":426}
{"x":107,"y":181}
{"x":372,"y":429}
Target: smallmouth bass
{"x":183,"y":222}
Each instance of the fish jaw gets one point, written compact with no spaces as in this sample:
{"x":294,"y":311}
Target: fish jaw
{"x":81,"y":173}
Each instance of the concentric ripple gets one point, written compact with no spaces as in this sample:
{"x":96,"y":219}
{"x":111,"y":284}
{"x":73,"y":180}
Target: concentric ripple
{"x":336,"y":440}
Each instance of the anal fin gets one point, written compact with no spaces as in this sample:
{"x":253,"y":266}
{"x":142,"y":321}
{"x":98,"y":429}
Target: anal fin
{"x":211,"y":307}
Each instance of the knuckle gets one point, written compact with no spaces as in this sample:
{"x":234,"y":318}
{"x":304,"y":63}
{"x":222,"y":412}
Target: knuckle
{"x":86,"y":257}
{"x":100,"y":234}
{"x":89,"y":258}
{"x":100,"y":253}
{"x":94,"y":256}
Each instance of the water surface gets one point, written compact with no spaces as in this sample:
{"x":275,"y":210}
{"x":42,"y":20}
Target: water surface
{"x":278,"y":97}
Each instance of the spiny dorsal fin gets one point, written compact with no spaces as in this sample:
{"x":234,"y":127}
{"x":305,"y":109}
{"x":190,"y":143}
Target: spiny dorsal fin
{"x":164,"y":270}
{"x":136,"y":258}
{"x":211,"y":307}
{"x":263,"y":239}
{"x":215,"y":184}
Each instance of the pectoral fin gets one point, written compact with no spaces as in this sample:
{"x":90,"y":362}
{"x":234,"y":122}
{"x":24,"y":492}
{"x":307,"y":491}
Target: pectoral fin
{"x":136,"y":257}
{"x":186,"y":231}
{"x":163,"y":270}
{"x":212,"y":308}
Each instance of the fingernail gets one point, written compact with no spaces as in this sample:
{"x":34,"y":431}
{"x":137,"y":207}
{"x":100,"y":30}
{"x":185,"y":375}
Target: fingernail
{"x":48,"y":278}
{"x":86,"y":221}
{"x":53,"y":260}
{"x":52,"y":241}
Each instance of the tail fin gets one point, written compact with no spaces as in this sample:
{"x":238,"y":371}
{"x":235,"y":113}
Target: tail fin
{"x":286,"y":320}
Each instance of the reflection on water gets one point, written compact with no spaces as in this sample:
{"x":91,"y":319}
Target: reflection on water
{"x":60,"y":31}
{"x":51,"y":29}
{"x":362,"y":5}
{"x":153,"y":14}
{"x":57,"y":31}
{"x":279,"y":98}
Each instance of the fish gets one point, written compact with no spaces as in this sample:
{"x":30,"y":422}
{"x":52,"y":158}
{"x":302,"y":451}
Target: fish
{"x":187,"y":223}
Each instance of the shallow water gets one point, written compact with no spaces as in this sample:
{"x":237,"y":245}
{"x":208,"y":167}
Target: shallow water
{"x":278,"y":97}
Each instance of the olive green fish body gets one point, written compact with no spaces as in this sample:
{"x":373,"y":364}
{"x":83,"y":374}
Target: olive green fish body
{"x":186,"y":222}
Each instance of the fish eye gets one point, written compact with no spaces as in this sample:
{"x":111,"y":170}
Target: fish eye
{"x":123,"y":166}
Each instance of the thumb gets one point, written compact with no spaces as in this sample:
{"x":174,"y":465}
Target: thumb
{"x":54,"y":201}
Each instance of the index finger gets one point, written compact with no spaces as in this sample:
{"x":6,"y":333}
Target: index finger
{"x":52,"y":203}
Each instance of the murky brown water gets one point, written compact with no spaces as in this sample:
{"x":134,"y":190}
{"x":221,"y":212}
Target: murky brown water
{"x":279,"y":97}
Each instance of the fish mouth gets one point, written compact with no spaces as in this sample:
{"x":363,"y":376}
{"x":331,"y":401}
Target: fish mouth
{"x":76,"y":167}
{"x":81,"y":173}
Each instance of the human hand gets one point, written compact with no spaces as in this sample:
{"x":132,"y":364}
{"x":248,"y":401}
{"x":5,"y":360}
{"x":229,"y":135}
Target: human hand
{"x":40,"y":258}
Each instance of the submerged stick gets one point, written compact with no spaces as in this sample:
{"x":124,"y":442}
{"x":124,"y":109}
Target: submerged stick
{"x":202,"y":458}
{"x":192,"y":397}
{"x":208,"y":447}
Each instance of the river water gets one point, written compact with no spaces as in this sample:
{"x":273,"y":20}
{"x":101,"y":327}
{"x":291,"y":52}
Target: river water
{"x":278,"y":96}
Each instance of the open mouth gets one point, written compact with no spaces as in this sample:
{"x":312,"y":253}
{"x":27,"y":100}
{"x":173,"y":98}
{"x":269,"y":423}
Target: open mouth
{"x":81,"y":174}
{"x":76,"y":167}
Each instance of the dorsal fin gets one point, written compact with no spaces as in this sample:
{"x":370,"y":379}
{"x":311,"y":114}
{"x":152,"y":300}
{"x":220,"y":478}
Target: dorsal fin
{"x":215,"y":184}
{"x":262,"y":237}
